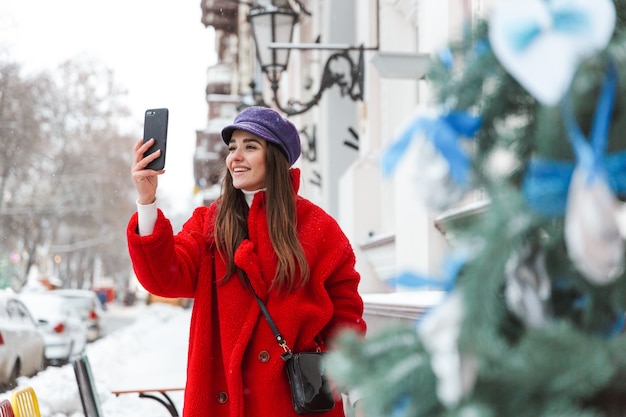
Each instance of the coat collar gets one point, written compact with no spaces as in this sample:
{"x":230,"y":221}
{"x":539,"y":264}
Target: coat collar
{"x":295,"y":178}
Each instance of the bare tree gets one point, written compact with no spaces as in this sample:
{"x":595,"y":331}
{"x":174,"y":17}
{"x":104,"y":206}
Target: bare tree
{"x":64,"y":185}
{"x":22,"y":150}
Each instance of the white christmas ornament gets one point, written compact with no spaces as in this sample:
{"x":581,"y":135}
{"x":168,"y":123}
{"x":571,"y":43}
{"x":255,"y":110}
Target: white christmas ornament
{"x":541,"y":42}
{"x":592,"y":234}
{"x":501,"y":163}
{"x":430,"y":176}
{"x":528,"y":289}
{"x":439,"y":331}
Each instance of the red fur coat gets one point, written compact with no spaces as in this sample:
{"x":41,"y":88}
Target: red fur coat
{"x":234,"y":364}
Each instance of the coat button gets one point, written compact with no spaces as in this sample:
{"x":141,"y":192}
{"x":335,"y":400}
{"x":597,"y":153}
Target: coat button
{"x":264,"y":356}
{"x":222,"y":397}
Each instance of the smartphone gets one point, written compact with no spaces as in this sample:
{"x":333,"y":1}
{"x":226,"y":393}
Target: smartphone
{"x":155,"y":126}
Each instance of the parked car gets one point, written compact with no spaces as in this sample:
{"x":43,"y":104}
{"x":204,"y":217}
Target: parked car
{"x":89,"y":307}
{"x":60,"y":324}
{"x":21,"y":344}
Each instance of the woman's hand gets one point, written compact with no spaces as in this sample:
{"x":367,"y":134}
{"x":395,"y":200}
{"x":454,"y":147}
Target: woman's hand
{"x":358,"y":409}
{"x":146,"y":180}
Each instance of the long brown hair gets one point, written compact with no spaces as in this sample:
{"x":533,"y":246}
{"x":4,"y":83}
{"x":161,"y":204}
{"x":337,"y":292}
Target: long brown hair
{"x":231,"y":225}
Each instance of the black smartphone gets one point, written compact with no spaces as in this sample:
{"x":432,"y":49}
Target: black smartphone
{"x":155,"y":126}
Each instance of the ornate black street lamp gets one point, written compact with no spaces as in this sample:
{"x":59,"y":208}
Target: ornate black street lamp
{"x":253,"y":97}
{"x":272,"y":25}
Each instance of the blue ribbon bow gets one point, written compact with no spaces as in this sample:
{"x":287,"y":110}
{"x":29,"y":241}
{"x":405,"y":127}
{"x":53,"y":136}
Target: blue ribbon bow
{"x":451,"y":269}
{"x":566,"y":18}
{"x":444,"y":132}
{"x":546,"y":183}
{"x":446,"y":58}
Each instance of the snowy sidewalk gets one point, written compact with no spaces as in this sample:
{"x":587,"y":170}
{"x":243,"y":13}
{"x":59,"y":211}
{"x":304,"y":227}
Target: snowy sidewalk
{"x":158,"y":335}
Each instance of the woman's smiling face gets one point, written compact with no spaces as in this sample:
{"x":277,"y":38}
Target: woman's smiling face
{"x":246,"y":161}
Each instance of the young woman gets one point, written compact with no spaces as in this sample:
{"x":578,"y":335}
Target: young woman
{"x":293,"y":253}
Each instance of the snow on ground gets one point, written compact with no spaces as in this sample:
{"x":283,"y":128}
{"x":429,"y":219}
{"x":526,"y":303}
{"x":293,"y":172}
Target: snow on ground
{"x":156,"y":339}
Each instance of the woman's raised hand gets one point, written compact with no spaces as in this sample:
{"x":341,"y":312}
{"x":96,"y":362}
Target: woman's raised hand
{"x":146,"y":180}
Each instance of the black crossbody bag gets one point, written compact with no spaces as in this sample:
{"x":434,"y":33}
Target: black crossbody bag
{"x":310,"y":391}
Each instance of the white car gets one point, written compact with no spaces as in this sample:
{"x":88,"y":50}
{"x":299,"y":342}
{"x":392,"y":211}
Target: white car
{"x":21,"y":343}
{"x":60,"y":324}
{"x":89,"y":307}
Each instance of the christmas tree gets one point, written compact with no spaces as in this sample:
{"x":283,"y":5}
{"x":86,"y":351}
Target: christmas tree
{"x":530,"y":109}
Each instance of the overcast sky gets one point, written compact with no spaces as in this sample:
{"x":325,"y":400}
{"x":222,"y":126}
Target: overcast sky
{"x":158,"y":49}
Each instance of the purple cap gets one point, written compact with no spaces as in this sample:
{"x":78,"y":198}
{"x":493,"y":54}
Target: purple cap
{"x":269,"y":125}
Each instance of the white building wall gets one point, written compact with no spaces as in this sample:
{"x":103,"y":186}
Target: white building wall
{"x":389,"y":228}
{"x":419,"y":245}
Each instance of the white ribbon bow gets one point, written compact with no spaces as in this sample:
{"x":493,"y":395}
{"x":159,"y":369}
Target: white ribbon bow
{"x":541,"y":42}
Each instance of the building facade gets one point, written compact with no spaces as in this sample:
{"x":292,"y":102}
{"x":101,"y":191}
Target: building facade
{"x":388,"y":42}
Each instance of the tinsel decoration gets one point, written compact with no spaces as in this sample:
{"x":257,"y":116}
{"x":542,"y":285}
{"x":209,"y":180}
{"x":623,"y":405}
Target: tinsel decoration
{"x":528,"y":286}
{"x":439,"y":332}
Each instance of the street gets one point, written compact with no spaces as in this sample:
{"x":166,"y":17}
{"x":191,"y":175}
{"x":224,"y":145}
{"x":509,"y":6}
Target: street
{"x":118,"y":316}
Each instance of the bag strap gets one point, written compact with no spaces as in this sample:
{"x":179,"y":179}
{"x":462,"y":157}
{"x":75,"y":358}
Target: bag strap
{"x":279,"y":338}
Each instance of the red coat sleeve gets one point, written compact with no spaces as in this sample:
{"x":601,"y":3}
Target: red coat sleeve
{"x":165,"y":264}
{"x":342,"y":286}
